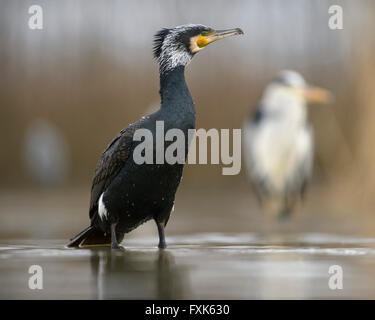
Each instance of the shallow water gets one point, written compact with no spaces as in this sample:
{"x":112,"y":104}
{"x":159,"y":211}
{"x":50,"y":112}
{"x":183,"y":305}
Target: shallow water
{"x":197,"y":266}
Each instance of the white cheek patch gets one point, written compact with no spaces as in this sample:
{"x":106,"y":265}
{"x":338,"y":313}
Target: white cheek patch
{"x":194,"y":46}
{"x":103,"y":213}
{"x":179,"y":57}
{"x":173,"y":54}
{"x":174,"y":58}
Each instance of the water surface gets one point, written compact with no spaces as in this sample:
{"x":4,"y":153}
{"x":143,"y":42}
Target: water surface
{"x":196,"y":266}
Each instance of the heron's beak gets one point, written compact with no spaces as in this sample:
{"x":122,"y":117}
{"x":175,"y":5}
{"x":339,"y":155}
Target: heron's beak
{"x":313,"y":94}
{"x":212,"y":36}
{"x":317,"y":95}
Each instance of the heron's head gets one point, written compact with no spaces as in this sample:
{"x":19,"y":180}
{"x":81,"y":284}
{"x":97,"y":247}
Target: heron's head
{"x":288,"y":93}
{"x":177,"y":46}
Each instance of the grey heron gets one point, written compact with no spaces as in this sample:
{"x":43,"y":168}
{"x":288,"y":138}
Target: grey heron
{"x":279,"y":142}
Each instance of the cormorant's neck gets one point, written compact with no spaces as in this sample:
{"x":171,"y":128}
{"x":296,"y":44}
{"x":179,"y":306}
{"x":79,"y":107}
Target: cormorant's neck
{"x":174,"y":92}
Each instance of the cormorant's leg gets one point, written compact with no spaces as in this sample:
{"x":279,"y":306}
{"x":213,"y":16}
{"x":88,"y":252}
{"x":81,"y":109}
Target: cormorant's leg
{"x":114,"y":244}
{"x":162,"y":243}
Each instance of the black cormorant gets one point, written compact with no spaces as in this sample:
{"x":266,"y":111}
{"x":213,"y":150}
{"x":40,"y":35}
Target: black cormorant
{"x":279,"y":142}
{"x":125,"y":194}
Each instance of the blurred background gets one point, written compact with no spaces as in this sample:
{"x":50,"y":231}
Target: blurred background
{"x":66,"y":91}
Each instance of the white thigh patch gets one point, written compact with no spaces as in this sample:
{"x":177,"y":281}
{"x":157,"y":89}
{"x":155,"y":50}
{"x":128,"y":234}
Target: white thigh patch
{"x":103,"y":213}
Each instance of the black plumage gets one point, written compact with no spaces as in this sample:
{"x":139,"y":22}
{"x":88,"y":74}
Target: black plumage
{"x":125,"y":194}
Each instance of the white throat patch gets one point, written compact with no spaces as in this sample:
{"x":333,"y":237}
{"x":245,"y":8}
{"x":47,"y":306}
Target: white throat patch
{"x":173,"y":56}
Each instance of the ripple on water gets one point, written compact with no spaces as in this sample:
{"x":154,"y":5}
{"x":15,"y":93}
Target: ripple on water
{"x":240,"y":243}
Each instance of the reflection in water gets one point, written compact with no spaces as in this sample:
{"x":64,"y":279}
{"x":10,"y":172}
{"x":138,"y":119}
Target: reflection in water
{"x":141,"y":274}
{"x":196,"y":266}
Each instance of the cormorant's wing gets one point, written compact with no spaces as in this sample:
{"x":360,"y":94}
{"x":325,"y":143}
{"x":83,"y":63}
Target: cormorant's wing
{"x":111,"y":162}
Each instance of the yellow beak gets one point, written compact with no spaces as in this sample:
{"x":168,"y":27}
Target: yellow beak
{"x":313,"y":94}
{"x":216,"y":35}
{"x":317,"y":95}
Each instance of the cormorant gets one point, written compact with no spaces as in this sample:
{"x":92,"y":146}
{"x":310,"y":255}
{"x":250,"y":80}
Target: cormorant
{"x":279,"y":142}
{"x":125,"y":194}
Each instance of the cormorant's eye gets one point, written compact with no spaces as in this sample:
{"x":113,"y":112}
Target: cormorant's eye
{"x":203,"y":33}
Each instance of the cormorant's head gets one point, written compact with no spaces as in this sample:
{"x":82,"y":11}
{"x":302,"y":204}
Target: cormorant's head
{"x":177,"y":46}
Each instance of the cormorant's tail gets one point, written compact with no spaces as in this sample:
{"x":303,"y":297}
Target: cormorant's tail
{"x":90,"y":237}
